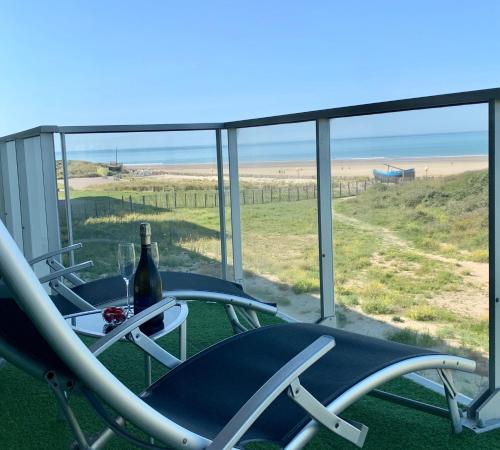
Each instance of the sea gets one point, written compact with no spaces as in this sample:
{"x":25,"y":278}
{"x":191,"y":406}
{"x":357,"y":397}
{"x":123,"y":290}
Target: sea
{"x":473,"y":143}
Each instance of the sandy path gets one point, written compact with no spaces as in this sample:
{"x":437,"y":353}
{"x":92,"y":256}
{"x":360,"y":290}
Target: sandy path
{"x":471,"y":301}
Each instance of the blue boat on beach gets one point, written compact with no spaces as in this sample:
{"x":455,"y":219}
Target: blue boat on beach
{"x":394,"y":174}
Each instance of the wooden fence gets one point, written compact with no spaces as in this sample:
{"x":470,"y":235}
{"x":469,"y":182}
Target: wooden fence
{"x":85,"y":207}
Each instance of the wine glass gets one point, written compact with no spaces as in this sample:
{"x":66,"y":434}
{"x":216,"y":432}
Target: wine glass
{"x":155,"y":254}
{"x":126,"y":265}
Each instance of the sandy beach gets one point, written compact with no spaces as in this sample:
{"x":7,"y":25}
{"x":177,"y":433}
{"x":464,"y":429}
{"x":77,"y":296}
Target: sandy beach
{"x":298,"y":171}
{"x":340,"y":168}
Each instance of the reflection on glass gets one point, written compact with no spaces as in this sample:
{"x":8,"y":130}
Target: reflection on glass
{"x":410,"y":213}
{"x":278,"y":193}
{"x":169,"y":179}
{"x":155,"y":254}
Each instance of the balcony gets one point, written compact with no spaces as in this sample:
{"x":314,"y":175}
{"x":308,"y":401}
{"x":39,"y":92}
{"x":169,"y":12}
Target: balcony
{"x":288,"y":207}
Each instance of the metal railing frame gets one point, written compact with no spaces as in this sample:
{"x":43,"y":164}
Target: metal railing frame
{"x":486,"y":407}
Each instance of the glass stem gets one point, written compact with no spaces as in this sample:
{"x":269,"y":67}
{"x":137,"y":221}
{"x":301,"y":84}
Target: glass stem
{"x":128,"y":297}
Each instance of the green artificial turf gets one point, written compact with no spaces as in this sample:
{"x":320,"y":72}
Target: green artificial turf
{"x":29,"y":418}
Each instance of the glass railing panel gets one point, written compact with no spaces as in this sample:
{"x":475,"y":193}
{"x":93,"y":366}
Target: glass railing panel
{"x":411,"y":230}
{"x":277,"y":174}
{"x":168,"y":179}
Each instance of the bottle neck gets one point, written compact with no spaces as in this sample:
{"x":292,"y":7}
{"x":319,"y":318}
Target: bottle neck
{"x":145,"y":249}
{"x":146,"y":240}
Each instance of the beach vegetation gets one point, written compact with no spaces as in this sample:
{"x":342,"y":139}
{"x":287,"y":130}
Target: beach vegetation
{"x":81,"y":169}
{"x":392,"y":247}
{"x":430,"y":213}
{"x":411,"y":337}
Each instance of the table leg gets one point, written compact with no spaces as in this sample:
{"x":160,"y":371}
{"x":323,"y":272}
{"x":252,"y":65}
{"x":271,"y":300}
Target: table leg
{"x":147,"y":370}
{"x":183,"y":340}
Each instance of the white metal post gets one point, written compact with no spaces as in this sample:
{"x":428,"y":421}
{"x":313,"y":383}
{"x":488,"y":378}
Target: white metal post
{"x":494,"y":138}
{"x":10,"y":188}
{"x":222,"y":204}
{"x":32,"y":200}
{"x":325,"y":222}
{"x":3,"y":215}
{"x":485,"y":409}
{"x":232,"y":142}
{"x":50,"y":190}
{"x":67,"y":198}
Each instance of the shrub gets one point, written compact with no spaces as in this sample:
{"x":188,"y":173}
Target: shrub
{"x":480,"y":255}
{"x":377,"y":307}
{"x":305,"y":285}
{"x":348,"y":300}
{"x":427,"y":313}
{"x":411,"y":337}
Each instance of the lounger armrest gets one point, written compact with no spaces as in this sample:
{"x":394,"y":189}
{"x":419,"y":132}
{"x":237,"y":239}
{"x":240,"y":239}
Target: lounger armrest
{"x":55,"y":265}
{"x":131,"y":324}
{"x":228,"y":299}
{"x":66,"y":271}
{"x":60,"y":251}
{"x":229,"y":436}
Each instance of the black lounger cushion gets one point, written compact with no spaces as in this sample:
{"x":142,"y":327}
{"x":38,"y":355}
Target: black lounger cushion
{"x":206,"y":391}
{"x":17,"y":330}
{"x":106,"y":290}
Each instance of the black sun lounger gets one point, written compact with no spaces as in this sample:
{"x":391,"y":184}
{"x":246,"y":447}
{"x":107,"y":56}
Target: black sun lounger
{"x":273,"y":383}
{"x":103,"y":292}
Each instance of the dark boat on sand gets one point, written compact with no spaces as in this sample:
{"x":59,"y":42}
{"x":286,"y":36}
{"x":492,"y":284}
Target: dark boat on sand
{"x":116,"y":166}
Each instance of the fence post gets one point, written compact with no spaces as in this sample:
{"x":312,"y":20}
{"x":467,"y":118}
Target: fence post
{"x":96,"y":212}
{"x":206,"y":195}
{"x":175,"y":199}
{"x":131,"y":204}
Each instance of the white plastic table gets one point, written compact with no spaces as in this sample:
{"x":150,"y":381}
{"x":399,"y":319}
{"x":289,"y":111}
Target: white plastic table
{"x":92,"y":324}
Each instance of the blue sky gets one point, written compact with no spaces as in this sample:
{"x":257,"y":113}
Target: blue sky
{"x":90,"y":62}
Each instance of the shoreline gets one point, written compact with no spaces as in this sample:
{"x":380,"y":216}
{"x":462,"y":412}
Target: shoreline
{"x":293,"y":171}
{"x":311,"y":161}
{"x":424,"y":166}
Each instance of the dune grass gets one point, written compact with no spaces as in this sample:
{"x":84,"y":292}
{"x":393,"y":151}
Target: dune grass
{"x":447,"y":215}
{"x":280,"y":248}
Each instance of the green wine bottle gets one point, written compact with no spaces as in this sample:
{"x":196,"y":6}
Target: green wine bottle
{"x":147,"y":283}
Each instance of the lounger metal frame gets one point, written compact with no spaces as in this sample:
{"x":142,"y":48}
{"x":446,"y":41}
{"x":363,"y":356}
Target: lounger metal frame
{"x":236,"y":307}
{"x":33,"y":299}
